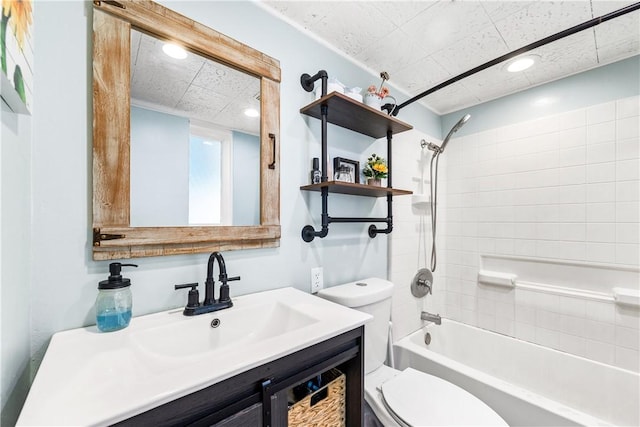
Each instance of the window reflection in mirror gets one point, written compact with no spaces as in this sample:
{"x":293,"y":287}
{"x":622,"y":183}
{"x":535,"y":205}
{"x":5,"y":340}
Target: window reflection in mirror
{"x":206,"y":159}
{"x":195,"y":153}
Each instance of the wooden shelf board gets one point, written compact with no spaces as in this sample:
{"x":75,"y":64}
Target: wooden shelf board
{"x":355,"y":189}
{"x":356,"y":116}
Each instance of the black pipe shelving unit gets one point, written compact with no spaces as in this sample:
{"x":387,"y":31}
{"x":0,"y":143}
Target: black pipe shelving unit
{"x":358,"y":117}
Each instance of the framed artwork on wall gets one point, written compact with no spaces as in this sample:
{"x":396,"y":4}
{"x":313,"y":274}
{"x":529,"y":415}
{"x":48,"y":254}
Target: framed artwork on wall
{"x":16,"y":55}
{"x":346,"y":170}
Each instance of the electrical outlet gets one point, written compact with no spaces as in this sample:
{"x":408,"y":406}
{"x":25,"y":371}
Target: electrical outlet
{"x":316,"y":279}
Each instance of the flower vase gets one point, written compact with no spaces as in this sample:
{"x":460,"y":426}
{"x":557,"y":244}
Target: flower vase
{"x":376,"y":182}
{"x":373,"y":100}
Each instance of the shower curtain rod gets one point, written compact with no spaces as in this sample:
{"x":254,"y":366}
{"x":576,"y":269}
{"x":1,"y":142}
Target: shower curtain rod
{"x":557,"y":36}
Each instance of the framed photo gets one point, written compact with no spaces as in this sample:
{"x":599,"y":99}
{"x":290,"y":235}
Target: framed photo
{"x":346,"y":170}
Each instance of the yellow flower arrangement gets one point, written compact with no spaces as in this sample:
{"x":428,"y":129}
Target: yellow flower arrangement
{"x":376,"y":167}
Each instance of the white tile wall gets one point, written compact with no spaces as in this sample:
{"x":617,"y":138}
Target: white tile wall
{"x":565,"y":187}
{"x":596,"y":330}
{"x":410,"y":242}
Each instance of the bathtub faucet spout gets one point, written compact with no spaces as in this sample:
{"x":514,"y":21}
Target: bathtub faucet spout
{"x":435,"y":318}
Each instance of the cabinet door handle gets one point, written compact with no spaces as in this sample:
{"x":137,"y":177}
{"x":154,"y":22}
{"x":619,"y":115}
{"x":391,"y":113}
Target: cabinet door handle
{"x":266,"y":403}
{"x":272,"y":165}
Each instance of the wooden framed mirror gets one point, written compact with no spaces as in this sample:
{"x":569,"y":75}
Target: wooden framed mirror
{"x":120,"y":29}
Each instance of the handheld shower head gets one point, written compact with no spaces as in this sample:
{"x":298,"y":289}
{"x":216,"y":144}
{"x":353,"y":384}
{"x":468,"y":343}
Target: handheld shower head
{"x":454,"y":129}
{"x":433,"y":171}
{"x":461,"y":122}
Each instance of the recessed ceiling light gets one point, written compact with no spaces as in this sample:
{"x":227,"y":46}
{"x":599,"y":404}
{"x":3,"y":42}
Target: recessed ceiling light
{"x":174,"y":51}
{"x":251,"y":112}
{"x":521,"y":64}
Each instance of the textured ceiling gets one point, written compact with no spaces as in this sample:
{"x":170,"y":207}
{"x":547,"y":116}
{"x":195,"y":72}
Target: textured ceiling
{"x":423,"y":43}
{"x":194,"y":87}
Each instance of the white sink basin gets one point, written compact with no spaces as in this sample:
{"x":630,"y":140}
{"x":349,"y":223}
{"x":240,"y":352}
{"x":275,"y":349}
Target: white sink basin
{"x":195,"y":335}
{"x":93,"y":378}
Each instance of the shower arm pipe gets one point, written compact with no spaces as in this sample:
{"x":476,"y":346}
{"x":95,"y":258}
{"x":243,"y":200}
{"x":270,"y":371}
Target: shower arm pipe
{"x":557,"y":36}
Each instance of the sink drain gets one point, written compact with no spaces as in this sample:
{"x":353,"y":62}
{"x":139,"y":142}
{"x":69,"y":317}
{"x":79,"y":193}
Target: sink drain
{"x":215,"y":323}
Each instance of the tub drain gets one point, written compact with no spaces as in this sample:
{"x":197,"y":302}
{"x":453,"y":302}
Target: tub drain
{"x":427,"y":338}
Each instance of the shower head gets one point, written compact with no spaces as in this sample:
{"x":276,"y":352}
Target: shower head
{"x":454,"y":129}
{"x":461,"y":122}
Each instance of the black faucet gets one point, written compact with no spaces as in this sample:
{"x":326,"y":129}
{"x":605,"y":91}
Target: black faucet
{"x":210,"y":304}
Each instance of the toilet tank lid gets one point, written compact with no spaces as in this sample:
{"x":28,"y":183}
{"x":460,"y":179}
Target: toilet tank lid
{"x":358,"y":293}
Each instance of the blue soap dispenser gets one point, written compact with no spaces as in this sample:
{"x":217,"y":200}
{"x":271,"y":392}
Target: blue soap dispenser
{"x":113,"y":304}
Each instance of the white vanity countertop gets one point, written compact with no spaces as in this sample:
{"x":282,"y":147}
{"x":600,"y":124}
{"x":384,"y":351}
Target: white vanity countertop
{"x":93,"y":378}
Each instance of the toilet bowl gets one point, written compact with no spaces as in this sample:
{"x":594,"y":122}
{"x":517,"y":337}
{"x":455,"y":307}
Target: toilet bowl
{"x":409,"y":397}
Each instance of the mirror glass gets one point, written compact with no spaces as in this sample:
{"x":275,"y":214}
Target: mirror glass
{"x":166,"y":131}
{"x":195,"y":139}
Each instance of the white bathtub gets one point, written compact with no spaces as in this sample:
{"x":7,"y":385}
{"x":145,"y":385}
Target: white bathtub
{"x":527,"y":384}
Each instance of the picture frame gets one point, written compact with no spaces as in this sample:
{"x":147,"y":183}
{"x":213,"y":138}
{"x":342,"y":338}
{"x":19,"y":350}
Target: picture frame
{"x":353,"y":165}
{"x":16,"y":56}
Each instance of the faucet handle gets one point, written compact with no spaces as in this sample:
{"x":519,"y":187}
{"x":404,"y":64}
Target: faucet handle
{"x":224,"y":289}
{"x":194,"y":297}
{"x":426,"y":284}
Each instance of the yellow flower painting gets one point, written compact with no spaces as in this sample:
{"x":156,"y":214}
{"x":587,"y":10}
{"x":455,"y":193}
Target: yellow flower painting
{"x":16,"y":52}
{"x":20,"y":12}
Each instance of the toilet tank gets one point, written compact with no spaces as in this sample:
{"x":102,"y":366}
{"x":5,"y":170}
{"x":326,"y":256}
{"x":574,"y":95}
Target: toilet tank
{"x":372,"y":296}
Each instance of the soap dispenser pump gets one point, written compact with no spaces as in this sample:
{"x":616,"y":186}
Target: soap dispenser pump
{"x":114,"y":301}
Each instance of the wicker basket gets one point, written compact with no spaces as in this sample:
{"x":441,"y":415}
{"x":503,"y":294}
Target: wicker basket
{"x":324,"y":407}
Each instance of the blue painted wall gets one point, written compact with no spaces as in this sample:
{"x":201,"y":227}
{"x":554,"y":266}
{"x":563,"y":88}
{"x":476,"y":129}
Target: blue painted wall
{"x":15,"y":262}
{"x":614,"y":81}
{"x":159,"y":169}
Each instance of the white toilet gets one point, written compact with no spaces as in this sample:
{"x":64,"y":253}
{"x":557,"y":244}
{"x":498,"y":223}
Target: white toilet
{"x":409,"y":397}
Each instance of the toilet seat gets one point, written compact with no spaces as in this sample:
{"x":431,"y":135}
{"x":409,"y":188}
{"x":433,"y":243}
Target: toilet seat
{"x":414,"y":398}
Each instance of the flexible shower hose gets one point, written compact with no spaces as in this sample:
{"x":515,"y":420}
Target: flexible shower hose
{"x":433,"y":184}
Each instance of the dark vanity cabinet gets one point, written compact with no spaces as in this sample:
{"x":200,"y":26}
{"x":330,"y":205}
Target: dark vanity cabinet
{"x":258,"y":397}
